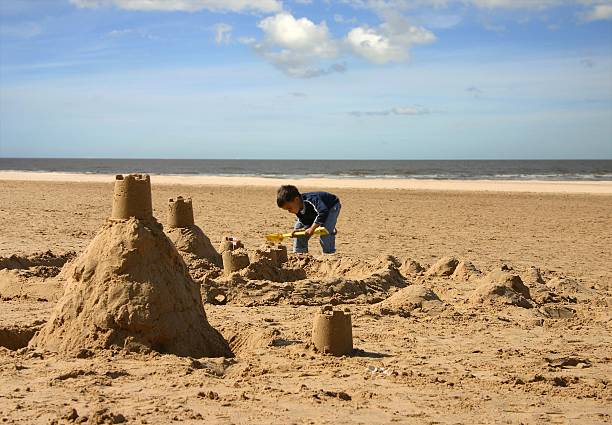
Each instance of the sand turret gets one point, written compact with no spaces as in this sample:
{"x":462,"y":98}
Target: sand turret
{"x":180,"y":212}
{"x":235,"y":260}
{"x":229,"y":243}
{"x":132,"y":197}
{"x":189,"y":239}
{"x":131,"y":290}
{"x":332,"y":331}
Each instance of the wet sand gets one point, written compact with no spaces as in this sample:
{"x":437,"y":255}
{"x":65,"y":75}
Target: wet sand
{"x":534,"y":186}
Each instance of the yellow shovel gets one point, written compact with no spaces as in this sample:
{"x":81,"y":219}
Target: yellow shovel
{"x":279,"y":237}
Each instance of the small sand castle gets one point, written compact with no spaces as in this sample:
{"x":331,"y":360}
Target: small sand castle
{"x":130,"y":289}
{"x":132,"y":197}
{"x":188,"y":238}
{"x":332,"y":331}
{"x":235,"y":260}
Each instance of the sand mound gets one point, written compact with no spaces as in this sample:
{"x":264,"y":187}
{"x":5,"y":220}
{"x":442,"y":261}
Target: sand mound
{"x":40,"y":264}
{"x":131,"y":290}
{"x":20,"y":284}
{"x":192,"y":242}
{"x":406,"y":300}
{"x":411,"y":268}
{"x":271,"y":264}
{"x":443,"y":267}
{"x":570,"y":287}
{"x":465,"y":271}
{"x":501,"y":287}
{"x":305,"y":280}
{"x":533,"y":276}
{"x":16,"y":337}
{"x":48,"y":259}
{"x":253,"y":338}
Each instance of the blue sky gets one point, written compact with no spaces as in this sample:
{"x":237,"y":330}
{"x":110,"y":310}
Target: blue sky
{"x":349,"y":79}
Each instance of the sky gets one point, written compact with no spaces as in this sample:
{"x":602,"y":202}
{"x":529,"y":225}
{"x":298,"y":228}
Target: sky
{"x":306,"y":79}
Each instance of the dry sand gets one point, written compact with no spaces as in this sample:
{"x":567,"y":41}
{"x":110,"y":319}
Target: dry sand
{"x":519,"y":335}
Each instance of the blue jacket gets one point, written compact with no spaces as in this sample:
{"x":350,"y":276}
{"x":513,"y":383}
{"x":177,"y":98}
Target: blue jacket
{"x":316,"y":207}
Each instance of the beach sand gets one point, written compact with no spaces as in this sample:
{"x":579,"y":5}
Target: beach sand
{"x":469,"y":358}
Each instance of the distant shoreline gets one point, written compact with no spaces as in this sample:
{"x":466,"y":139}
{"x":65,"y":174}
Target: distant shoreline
{"x":534,"y":186}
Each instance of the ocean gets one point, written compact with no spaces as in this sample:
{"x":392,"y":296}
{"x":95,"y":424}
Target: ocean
{"x":589,"y":170}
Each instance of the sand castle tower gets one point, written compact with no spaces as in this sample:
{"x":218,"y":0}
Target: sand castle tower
{"x":188,"y":238}
{"x":332,"y":331}
{"x":130,"y":289}
{"x":180,"y":212}
{"x":235,"y":260}
{"x":132,"y":197}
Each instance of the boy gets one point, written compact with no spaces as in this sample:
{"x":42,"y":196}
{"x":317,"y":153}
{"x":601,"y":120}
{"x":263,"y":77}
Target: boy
{"x":313,"y":210}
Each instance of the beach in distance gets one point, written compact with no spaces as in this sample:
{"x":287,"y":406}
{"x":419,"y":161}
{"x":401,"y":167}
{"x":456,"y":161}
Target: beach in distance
{"x":534,"y":186}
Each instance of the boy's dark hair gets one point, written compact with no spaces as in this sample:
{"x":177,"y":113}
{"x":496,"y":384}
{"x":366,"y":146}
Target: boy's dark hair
{"x":286,"y":193}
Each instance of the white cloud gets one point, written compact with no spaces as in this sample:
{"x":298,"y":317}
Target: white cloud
{"x":340,"y":19}
{"x":131,"y":32}
{"x":299,"y":35}
{"x":600,"y":12}
{"x":401,"y":111}
{"x":266,"y":6}
{"x":223,"y":33}
{"x":486,"y":4}
{"x":515,"y":4}
{"x":390,"y":42}
{"x":297,"y":46}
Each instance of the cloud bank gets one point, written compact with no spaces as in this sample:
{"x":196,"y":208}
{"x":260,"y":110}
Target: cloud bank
{"x":264,"y":6}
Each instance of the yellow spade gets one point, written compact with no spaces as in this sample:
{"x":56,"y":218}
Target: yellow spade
{"x":279,"y":237}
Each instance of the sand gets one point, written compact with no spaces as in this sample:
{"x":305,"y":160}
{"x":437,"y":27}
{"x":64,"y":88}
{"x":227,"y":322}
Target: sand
{"x":460,"y":343}
{"x":536,"y":186}
{"x":130,"y":290}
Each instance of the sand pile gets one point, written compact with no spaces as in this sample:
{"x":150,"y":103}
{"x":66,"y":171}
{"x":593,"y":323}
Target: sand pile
{"x":256,"y":338}
{"x":411,"y":298}
{"x":40,"y":264}
{"x":193,"y":244}
{"x":411,"y":268}
{"x":306,"y":280}
{"x":271,"y":263}
{"x":31,"y":276}
{"x":465,"y":271}
{"x":502,"y":287}
{"x":570,"y":287}
{"x":22,"y":285}
{"x":190,"y":240}
{"x":443,"y":267}
{"x":130,"y":289}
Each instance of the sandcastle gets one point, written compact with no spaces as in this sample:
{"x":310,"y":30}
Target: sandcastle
{"x":332,"y":331}
{"x":189,"y":239}
{"x":180,"y":212}
{"x":229,"y":243}
{"x":276,"y":254}
{"x":132,"y":197}
{"x":235,"y":260}
{"x":130,"y":289}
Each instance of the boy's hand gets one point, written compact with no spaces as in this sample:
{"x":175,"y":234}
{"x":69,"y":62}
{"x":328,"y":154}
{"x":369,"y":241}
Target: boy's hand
{"x":310,"y":231}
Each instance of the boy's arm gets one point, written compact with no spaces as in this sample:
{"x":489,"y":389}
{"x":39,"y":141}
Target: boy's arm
{"x":321,"y":209}
{"x":311,"y":229}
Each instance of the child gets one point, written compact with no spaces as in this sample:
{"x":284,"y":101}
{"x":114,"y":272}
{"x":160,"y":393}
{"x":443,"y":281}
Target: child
{"x":313,"y":210}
